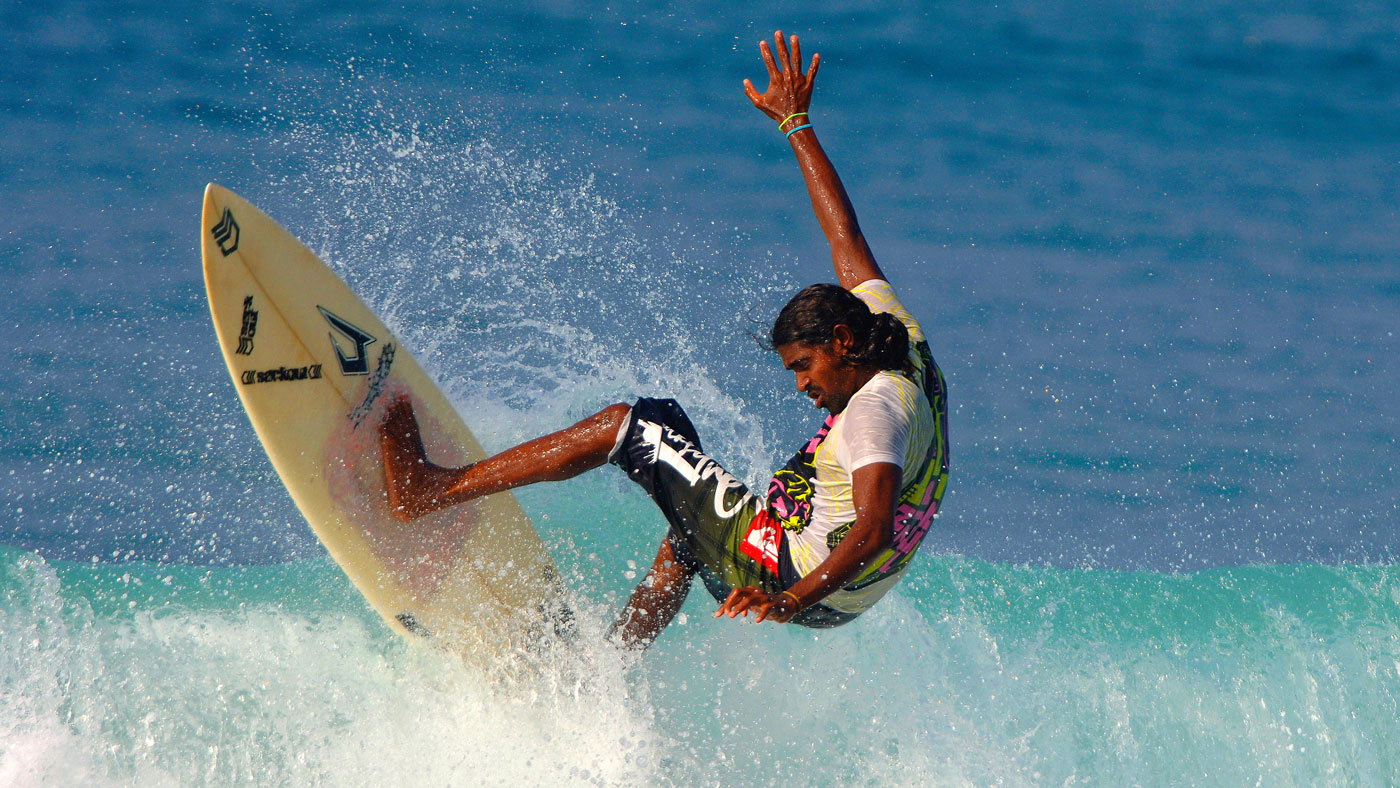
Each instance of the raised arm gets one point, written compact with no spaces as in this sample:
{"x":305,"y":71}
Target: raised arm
{"x":786,"y":100}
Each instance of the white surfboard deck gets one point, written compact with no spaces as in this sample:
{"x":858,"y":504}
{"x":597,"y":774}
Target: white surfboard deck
{"x":314,"y":368}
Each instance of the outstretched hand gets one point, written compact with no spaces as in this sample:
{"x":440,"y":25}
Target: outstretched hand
{"x":789,"y":89}
{"x":778,"y":608}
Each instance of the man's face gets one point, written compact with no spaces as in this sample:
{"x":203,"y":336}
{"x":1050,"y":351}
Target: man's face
{"x":822,"y":372}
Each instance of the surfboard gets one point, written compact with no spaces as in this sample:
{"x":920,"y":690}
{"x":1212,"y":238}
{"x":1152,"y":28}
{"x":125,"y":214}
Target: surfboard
{"x":314,"y":368}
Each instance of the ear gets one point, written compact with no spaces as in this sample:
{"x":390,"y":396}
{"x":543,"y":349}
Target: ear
{"x":843,"y":340}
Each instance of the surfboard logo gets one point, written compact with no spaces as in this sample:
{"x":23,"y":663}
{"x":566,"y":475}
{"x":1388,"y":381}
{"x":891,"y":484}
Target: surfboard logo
{"x":375,"y":387}
{"x":249,"y":328}
{"x":280,"y":374}
{"x":226,"y":233}
{"x":357,"y":364}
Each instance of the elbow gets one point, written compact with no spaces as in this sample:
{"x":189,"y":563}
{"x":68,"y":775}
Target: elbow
{"x":845,"y":237}
{"x":884,"y":539}
{"x":876,"y":543}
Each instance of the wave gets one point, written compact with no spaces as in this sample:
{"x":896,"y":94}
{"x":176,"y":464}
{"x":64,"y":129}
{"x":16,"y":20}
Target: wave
{"x":970,"y":674}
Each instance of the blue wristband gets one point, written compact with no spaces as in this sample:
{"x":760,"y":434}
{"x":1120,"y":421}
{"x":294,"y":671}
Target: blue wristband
{"x":799,"y":128}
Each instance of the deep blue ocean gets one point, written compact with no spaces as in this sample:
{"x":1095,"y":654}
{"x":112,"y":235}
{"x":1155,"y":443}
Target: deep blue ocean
{"x":1156,"y":248}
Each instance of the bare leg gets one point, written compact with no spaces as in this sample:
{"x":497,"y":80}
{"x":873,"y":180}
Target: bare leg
{"x":417,"y":486}
{"x":655,"y":601}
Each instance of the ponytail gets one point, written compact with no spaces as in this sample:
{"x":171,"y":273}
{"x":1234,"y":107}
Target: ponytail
{"x":887,"y":345}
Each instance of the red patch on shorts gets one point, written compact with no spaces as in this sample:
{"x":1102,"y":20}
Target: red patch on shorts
{"x":761,"y":543}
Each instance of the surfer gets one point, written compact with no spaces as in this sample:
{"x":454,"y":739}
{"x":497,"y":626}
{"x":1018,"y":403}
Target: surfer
{"x":840,"y":522}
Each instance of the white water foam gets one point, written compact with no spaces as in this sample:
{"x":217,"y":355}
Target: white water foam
{"x":261,"y":696}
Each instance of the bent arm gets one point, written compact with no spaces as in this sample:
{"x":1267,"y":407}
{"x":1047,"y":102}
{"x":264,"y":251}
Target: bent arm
{"x":875,"y":493}
{"x":875,"y":490}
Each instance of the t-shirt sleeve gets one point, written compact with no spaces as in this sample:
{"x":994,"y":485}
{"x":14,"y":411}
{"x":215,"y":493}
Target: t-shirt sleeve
{"x":879,"y":296}
{"x":874,"y":428}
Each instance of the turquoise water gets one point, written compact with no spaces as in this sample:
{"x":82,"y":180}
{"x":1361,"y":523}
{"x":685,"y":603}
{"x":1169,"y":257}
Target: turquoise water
{"x":976,"y":674}
{"x":1154,"y":248}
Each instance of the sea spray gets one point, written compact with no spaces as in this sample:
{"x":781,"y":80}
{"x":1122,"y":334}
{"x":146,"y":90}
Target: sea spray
{"x":185,"y":676}
{"x":519,"y":281}
{"x":974,"y":674}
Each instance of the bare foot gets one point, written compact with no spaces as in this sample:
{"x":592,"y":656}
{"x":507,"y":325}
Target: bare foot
{"x":406,"y":466}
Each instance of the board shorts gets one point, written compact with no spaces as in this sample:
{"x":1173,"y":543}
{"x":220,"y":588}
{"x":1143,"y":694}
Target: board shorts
{"x":718,"y":528}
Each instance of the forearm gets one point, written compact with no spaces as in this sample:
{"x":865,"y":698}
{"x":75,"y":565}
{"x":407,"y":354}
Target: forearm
{"x":829,"y":199}
{"x":861,"y":547}
{"x":850,"y":253}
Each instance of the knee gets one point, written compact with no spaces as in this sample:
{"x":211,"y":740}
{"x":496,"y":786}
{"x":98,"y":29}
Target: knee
{"x":615,"y":415}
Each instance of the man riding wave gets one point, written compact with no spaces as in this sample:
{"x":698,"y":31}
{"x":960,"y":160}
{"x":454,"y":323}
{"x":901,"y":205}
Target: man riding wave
{"x":841,"y":521}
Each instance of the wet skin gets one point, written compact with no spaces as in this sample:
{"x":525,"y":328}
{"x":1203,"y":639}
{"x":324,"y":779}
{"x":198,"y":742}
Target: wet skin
{"x":823,"y":372}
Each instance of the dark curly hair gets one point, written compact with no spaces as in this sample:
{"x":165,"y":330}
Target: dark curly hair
{"x":881,"y":341}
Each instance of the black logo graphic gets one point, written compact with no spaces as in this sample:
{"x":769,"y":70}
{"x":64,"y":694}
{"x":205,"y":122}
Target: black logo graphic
{"x":357,"y":364}
{"x":226,"y":233}
{"x":411,"y":624}
{"x":280,"y":374}
{"x":376,"y":385}
{"x":250,"y":327}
